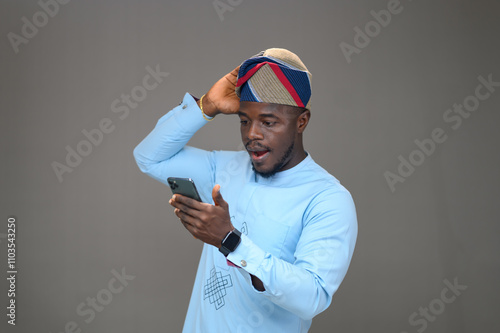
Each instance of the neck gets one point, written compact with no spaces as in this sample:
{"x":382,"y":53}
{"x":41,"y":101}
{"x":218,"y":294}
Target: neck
{"x":297,"y":156}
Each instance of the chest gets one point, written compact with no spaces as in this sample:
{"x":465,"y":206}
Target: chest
{"x":272,"y":217}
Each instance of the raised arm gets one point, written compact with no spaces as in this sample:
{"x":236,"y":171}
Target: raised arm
{"x":163,"y":153}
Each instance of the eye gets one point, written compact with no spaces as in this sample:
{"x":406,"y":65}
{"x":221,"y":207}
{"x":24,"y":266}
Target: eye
{"x":243,"y":122}
{"x":269,"y":123}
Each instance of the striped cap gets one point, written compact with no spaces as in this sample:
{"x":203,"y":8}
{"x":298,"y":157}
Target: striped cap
{"x":275,"y":76}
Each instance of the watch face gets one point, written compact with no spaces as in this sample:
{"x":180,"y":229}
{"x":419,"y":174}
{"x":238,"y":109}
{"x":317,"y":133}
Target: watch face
{"x":232,"y":241}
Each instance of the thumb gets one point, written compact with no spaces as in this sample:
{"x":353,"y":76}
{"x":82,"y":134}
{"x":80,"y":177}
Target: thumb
{"x":217,"y":196}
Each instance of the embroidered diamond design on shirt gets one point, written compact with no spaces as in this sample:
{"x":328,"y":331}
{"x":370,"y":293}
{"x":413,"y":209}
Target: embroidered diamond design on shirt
{"x":216,"y":286}
{"x":244,"y":228}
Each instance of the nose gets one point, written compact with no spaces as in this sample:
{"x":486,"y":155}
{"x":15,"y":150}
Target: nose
{"x":254,"y":132}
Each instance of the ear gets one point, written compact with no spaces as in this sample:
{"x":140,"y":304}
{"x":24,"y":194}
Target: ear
{"x":303,"y":120}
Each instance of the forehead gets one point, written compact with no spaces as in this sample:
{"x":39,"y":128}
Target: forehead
{"x":257,"y":109}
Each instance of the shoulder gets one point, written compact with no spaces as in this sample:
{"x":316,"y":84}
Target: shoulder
{"x":325,"y":183}
{"x":328,"y":194}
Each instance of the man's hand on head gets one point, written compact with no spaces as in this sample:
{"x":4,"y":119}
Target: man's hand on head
{"x":222,"y":98}
{"x":209,"y":223}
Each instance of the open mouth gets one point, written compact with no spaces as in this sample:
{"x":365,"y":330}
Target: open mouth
{"x":258,"y":155}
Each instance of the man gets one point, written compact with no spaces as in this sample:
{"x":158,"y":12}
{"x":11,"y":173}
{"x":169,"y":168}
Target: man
{"x":280,"y":233}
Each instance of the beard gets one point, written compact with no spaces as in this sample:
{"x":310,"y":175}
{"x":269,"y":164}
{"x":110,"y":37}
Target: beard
{"x":277,"y":167}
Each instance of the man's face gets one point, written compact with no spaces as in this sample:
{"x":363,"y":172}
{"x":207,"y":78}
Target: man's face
{"x":269,"y":133}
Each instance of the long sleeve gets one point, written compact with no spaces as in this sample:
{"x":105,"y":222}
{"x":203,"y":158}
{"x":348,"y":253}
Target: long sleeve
{"x":163,"y":153}
{"x":323,"y":253}
{"x":298,"y":229}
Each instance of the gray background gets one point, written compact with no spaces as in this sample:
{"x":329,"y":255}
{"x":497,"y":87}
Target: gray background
{"x":441,"y":223}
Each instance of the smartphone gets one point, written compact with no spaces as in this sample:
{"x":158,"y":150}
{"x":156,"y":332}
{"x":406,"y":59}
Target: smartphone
{"x":184,"y":186}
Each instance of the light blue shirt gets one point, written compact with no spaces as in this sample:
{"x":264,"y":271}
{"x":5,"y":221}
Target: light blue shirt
{"x":298,"y":230}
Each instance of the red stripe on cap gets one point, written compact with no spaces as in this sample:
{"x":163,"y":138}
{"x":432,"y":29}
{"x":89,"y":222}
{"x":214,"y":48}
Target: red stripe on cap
{"x":281,"y":76}
{"x":250,"y":73}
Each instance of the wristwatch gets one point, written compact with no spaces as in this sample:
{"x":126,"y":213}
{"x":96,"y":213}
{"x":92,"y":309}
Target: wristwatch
{"x":230,"y":242}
